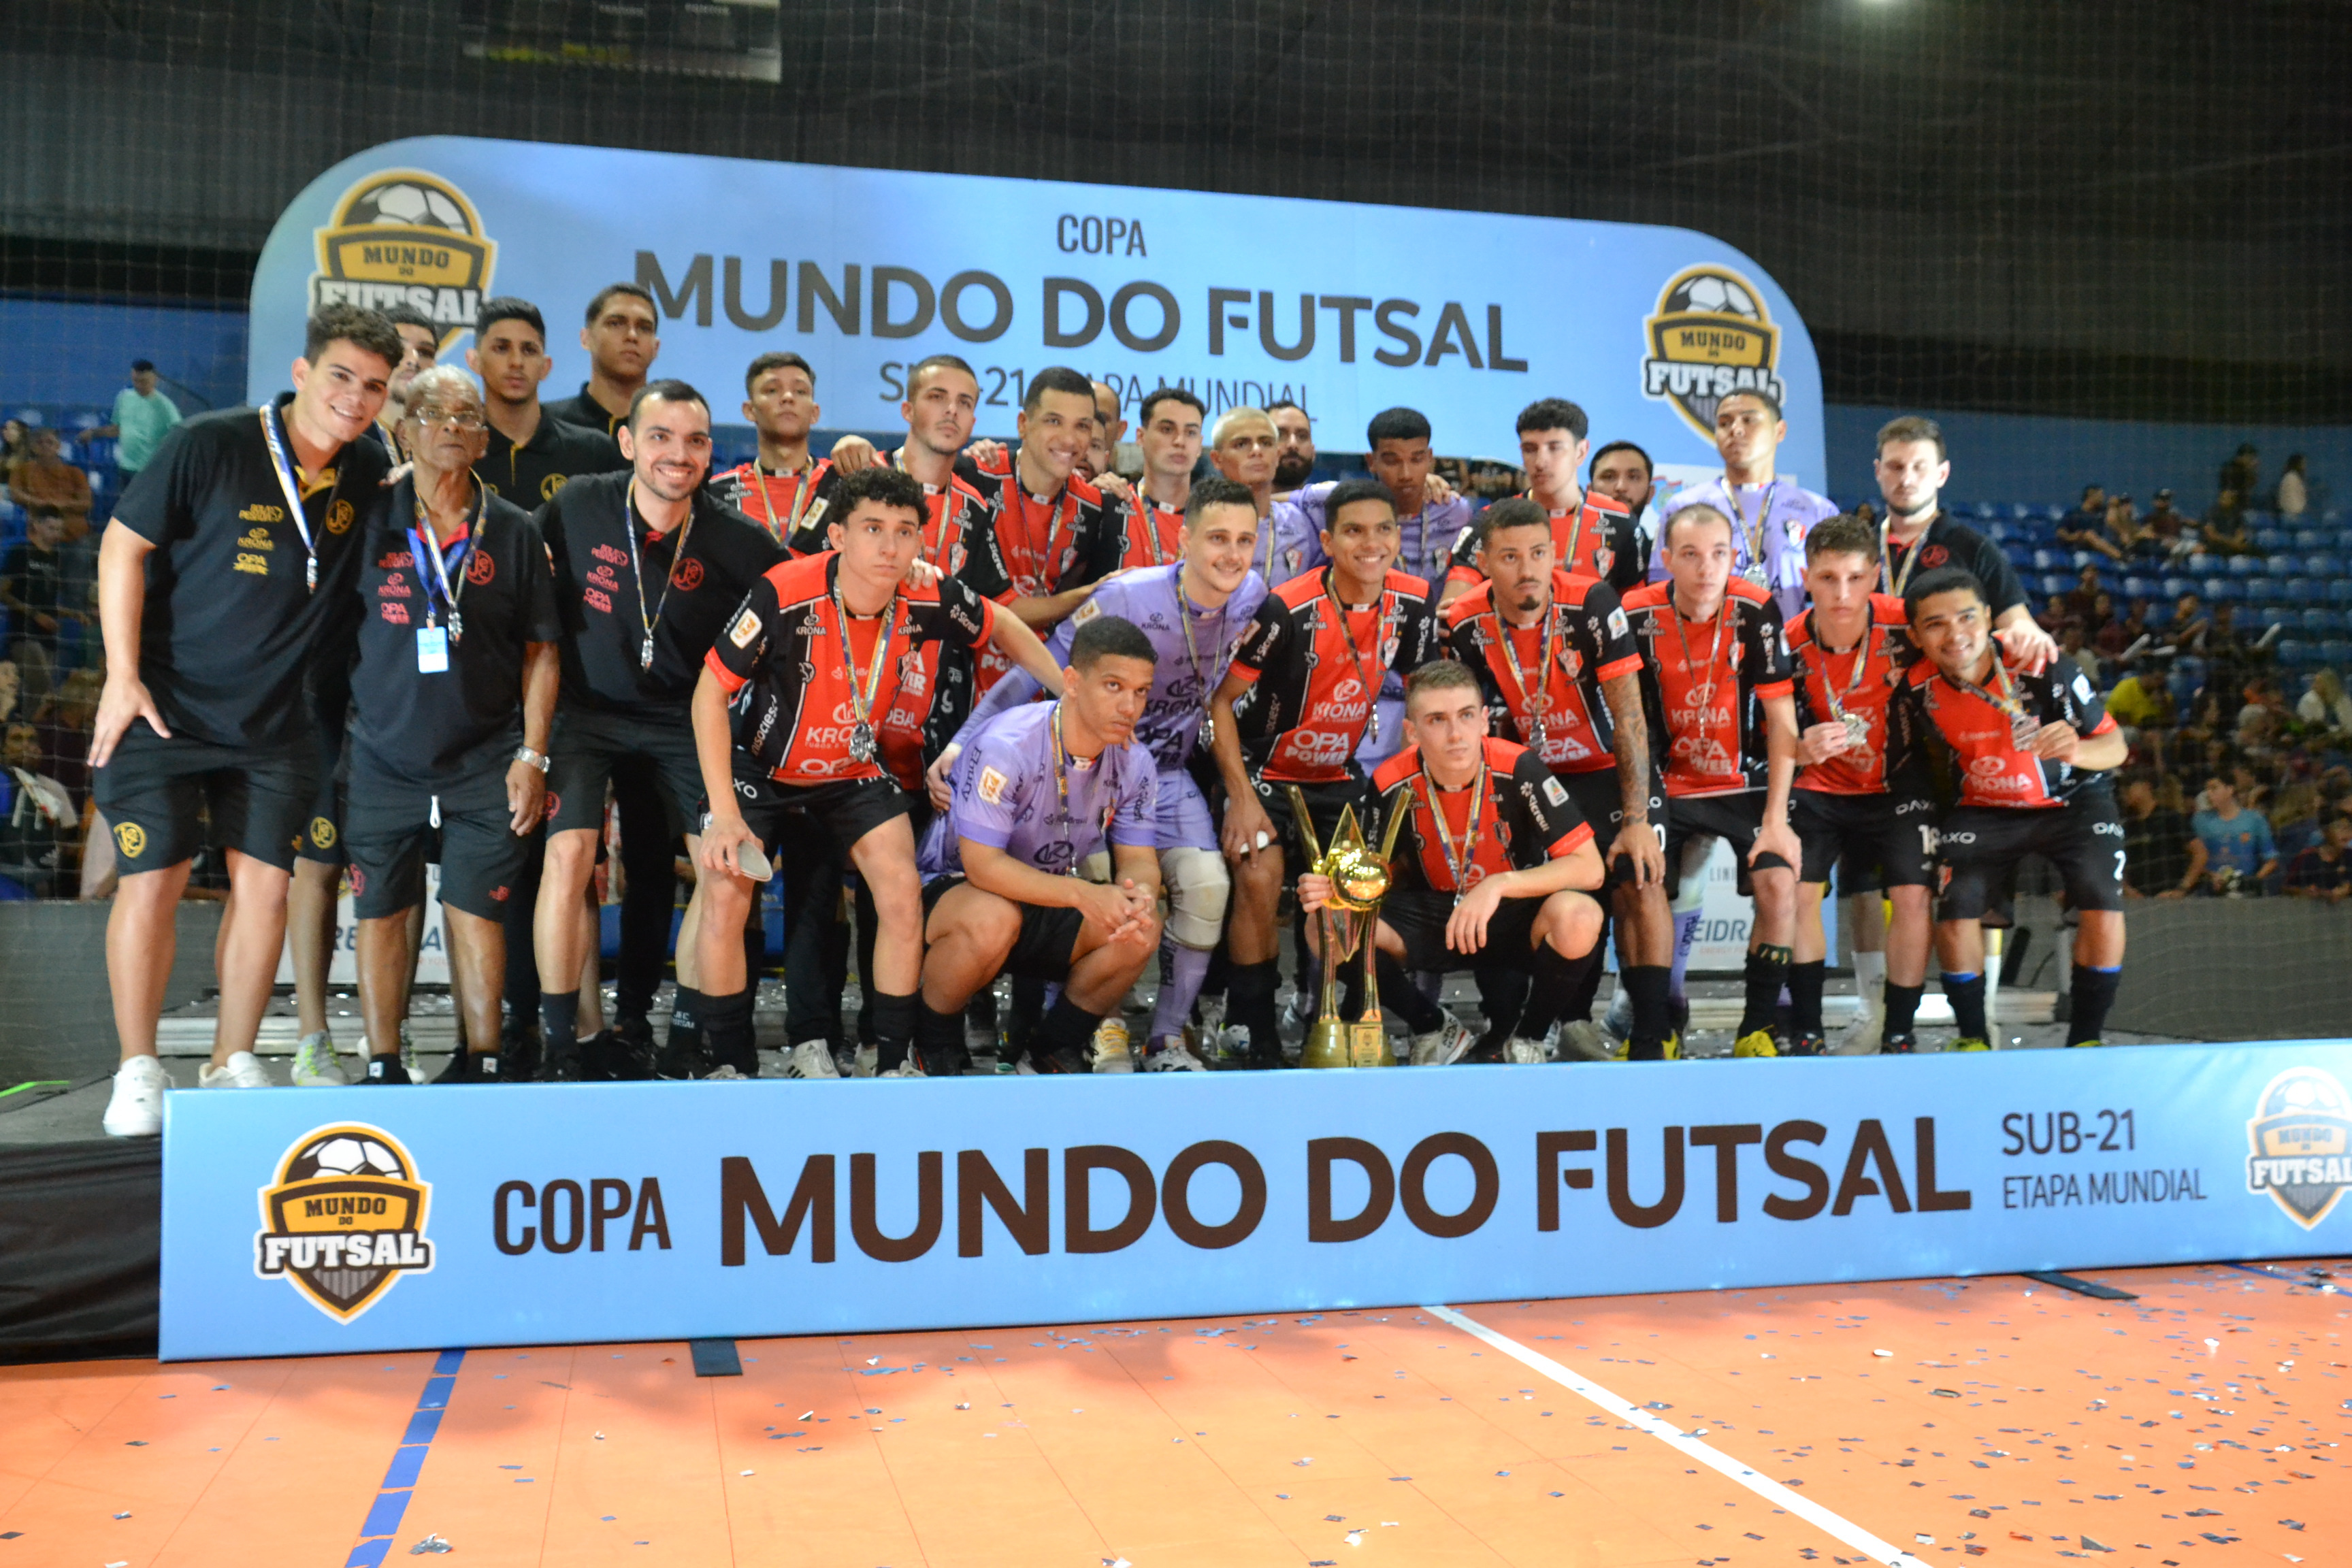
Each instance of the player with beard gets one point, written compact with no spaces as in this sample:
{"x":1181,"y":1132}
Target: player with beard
{"x":622,"y":337}
{"x":1555,"y":656}
{"x":1294,"y":458}
{"x":1917,"y":536}
{"x":1042,"y":790}
{"x":1622,"y":472}
{"x":1715,"y":680}
{"x":1195,"y":611}
{"x":1295,"y":709}
{"x":1152,"y":518}
{"x":785,"y":716}
{"x":1592,"y":536}
{"x":2026,"y":759}
{"x":1494,"y":870}
{"x":785,"y":489}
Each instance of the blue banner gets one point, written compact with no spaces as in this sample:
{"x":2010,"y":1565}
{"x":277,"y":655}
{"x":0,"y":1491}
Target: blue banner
{"x":1345,"y":309}
{"x":337,"y":1220}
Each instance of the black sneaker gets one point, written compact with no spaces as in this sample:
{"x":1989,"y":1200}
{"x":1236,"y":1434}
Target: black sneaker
{"x":1070,"y":1059}
{"x":518,"y":1054}
{"x":632,"y":1030}
{"x":488,"y":1067}
{"x":944,"y":1061}
{"x":1805,"y":1045}
{"x":458,"y":1069}
{"x":383,"y":1070}
{"x":682,"y":1059}
{"x":1899,"y":1046}
{"x":561,"y":1064}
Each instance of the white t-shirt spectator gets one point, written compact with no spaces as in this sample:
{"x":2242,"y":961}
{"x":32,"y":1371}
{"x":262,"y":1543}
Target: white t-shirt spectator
{"x":2294,"y":496}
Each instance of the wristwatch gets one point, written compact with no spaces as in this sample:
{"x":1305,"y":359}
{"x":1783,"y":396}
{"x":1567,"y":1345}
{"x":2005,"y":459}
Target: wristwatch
{"x":536,"y":758}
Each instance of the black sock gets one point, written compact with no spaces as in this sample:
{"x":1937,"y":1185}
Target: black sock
{"x":894,"y":1027}
{"x":1648,"y":984}
{"x":1805,"y":982}
{"x":1901,"y":1009}
{"x":685,"y":1013}
{"x":1553,"y":981}
{"x":1766,"y":972}
{"x":1965,"y":993}
{"x":1399,"y":993}
{"x":1066,"y":1029}
{"x":558,"y":1018}
{"x":1249,"y":1003}
{"x":727,"y":1032}
{"x":2095,"y":992}
{"x":940,"y":1037}
{"x":1588,"y":983}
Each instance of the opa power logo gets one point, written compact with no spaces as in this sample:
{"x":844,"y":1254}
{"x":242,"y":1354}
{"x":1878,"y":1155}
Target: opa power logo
{"x":2300,"y":1143}
{"x":402,"y":237}
{"x":344,"y":1219}
{"x":1709,"y":337}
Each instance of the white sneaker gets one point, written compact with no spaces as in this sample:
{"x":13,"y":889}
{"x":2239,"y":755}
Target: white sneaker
{"x":1114,"y":1052}
{"x":315,"y":1064}
{"x":417,"y":1074}
{"x":1619,"y":1023}
{"x":1212,"y":1011}
{"x":724,"y":1073}
{"x":869,"y":1058}
{"x":243,"y":1071}
{"x":911,"y":1067}
{"x":1582,"y":1040}
{"x":1860,"y":1038}
{"x":1523,"y":1052}
{"x":1443,"y":1046}
{"x":812,"y":1059}
{"x":135,"y":1108}
{"x":1174,"y":1056}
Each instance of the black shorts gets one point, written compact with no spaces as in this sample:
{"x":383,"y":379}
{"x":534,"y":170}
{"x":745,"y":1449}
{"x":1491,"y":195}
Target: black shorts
{"x":1325,"y":801}
{"x":848,"y":809}
{"x":156,"y":795}
{"x":1980,"y":846}
{"x":1874,"y":841}
{"x":479,"y":855}
{"x":321,"y":840}
{"x":586,"y":744}
{"x":1417,"y":917}
{"x":1601,"y":800}
{"x":1048,"y":935}
{"x":1737,"y":817}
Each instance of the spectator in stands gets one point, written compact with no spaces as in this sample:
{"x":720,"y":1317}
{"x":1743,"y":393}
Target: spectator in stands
{"x":2164,"y":525}
{"x":142,"y":418}
{"x":2323,"y":871}
{"x":2072,"y":646}
{"x":9,"y":688}
{"x":2233,"y":851}
{"x":2083,"y":598}
{"x":15,"y":444}
{"x":2293,"y":491}
{"x":2088,"y":518}
{"x":2225,"y":530}
{"x":2294,"y":819}
{"x":33,"y":586}
{"x":47,"y":480}
{"x":2243,"y":473}
{"x":2188,"y":622}
{"x":2088,"y":531}
{"x":65,"y":719}
{"x":2155,"y":840}
{"x":2117,"y":633}
{"x":2140,"y":703}
{"x":2226,"y":649}
{"x":37,"y":818}
{"x":2123,"y":530}
{"x":2327,"y":706}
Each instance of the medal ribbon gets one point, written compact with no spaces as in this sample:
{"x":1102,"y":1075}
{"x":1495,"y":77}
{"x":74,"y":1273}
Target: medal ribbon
{"x":1722,"y":617}
{"x":2006,"y":698}
{"x":1383,"y":621}
{"x":1537,"y":697}
{"x":1057,"y":513}
{"x":1887,"y":571}
{"x":275,"y":439}
{"x":861,"y":702}
{"x":1754,"y":534}
{"x":637,"y":571}
{"x":804,"y":484}
{"x":1457,"y":866}
{"x":1861,"y":663}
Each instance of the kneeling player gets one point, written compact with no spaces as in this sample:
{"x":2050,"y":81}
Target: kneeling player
{"x":1493,"y":871}
{"x":1038,"y":792}
{"x":2029,"y":755}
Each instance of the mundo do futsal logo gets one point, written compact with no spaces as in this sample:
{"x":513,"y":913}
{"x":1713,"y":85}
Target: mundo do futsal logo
{"x":1709,"y":337}
{"x":402,"y":237}
{"x":344,"y":1219}
{"x":2301,"y":1143}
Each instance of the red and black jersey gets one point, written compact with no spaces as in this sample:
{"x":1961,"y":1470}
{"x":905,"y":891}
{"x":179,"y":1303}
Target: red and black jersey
{"x":1583,"y":640}
{"x":791,"y":507}
{"x":782,"y":663}
{"x":1514,"y":816}
{"x":1705,"y":684}
{"x":1593,"y":539}
{"x":1316,"y":670}
{"x":1972,"y":736}
{"x":1863,"y":679}
{"x":1049,"y":543}
{"x":956,"y":536}
{"x":1150,"y":534}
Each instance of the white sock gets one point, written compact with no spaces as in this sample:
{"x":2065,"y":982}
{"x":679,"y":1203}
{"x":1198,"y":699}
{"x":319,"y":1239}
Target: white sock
{"x":1870,"y":980}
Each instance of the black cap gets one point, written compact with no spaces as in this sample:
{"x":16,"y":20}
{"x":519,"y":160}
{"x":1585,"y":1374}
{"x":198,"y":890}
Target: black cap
{"x":139,"y":365}
{"x":2164,"y":495}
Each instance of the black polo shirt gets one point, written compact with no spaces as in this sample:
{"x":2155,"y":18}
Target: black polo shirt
{"x":1950,"y":543}
{"x":529,"y":475}
{"x":596,"y":593}
{"x":442,"y":732}
{"x":229,"y":626}
{"x":587,"y":412}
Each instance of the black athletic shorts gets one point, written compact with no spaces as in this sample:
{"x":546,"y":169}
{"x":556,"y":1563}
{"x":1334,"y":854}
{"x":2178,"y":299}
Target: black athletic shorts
{"x":1737,"y":817}
{"x":322,"y":839}
{"x":1324,"y":803}
{"x":1417,"y":917}
{"x":586,"y":746}
{"x":389,"y":844}
{"x":848,"y":809}
{"x":1874,"y":841}
{"x":157,"y":794}
{"x":1048,"y":935}
{"x":1981,"y":845}
{"x":1602,"y":800}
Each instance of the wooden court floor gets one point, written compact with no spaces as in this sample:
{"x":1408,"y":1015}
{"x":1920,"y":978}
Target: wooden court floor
{"x":1942,"y":1420}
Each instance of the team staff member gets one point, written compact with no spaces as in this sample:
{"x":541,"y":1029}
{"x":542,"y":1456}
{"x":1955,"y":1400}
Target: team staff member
{"x":785,"y":489}
{"x":1592,"y":536}
{"x":1494,"y":870}
{"x":1153,"y":522}
{"x":1241,"y":448}
{"x":224,"y":565}
{"x":648,"y":568}
{"x":1040,"y":790}
{"x":453,"y":696}
{"x":2028,"y":756}
{"x":622,"y":337}
{"x":1913,"y":469}
{"x":423,"y":343}
{"x":810,"y":661}
{"x":528,"y":454}
{"x":1861,"y":804}
{"x":1293,"y":462}
{"x":1771,"y":515}
{"x":1622,"y":472}
{"x":1295,"y":709}
{"x":1556,"y":656}
{"x":1716,"y":681}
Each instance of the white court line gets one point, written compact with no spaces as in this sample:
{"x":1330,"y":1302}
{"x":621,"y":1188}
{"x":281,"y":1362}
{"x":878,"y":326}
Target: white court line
{"x":1763,"y":1486}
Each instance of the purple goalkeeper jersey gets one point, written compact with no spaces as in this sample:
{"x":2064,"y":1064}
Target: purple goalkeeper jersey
{"x":1011,"y":794}
{"x":1428,"y":536}
{"x":1782,"y":512}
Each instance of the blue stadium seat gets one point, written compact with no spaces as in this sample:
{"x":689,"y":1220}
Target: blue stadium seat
{"x":2160,"y":614}
{"x":2280,"y":566}
{"x":2261,"y":590}
{"x":2018,"y":556}
{"x":2312,"y":539}
{"x":2175,"y":586}
{"x":1984,"y":510}
{"x":2140,"y":588}
{"x":2319,"y":623}
{"x":2203,"y":565}
{"x":2267,"y":538}
{"x":2303,"y":591}
{"x":2019,"y":510}
{"x":1998,"y":532}
{"x":2223,"y":590}
{"x":2294,"y":651}
{"x":2339,"y":592}
{"x":2052,"y":512}
{"x":2277,"y":616}
{"x":2336,"y":652}
{"x":2055,"y":582}
{"x":2257,"y":518}
{"x":2244,"y":567}
{"x":2321,"y":563}
{"x":2332,"y":517}
{"x":2049,"y":560}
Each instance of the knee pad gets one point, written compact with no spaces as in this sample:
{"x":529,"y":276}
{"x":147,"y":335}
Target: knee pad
{"x":1690,"y":892}
{"x":1199,"y":886}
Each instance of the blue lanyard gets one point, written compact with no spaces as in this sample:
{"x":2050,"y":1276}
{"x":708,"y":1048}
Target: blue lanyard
{"x":452,"y":590}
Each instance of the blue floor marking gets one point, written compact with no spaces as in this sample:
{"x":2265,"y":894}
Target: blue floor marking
{"x":384,"y":1517}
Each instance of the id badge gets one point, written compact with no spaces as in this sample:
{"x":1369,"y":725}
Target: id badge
{"x":432,"y":650}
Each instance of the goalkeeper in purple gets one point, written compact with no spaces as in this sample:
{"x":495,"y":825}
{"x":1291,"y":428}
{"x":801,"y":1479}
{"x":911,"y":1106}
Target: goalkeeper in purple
{"x":1040,"y":792}
{"x":1194,"y":612}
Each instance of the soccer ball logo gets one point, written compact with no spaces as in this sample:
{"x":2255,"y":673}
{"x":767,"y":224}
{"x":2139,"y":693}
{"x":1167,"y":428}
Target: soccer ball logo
{"x":346,"y":1156}
{"x":405,"y":203}
{"x":2300,"y":1144}
{"x":1712,"y":294}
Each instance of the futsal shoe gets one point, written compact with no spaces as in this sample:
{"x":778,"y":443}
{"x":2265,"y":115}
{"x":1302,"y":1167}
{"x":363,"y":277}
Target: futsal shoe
{"x":1582,"y":1040}
{"x":682,"y":1059}
{"x":315,"y":1066}
{"x":943,"y":1061}
{"x":1174,"y":1056}
{"x":135,"y":1108}
{"x":811,"y":1058}
{"x":1114,"y":1052}
{"x":1900,"y":1046}
{"x":519,"y":1053}
{"x":867,"y":1062}
{"x":1806,"y":1046}
{"x":1618,"y":1021}
{"x":243,"y":1071}
{"x":1757,"y":1044}
{"x":1861,"y":1037}
{"x":2093,"y":1044}
{"x":1520,"y":1051}
{"x":725,"y":1073}
{"x":1443,"y":1046}
{"x":386,"y":1071}
{"x":1969,"y":1043}
{"x":1670,"y":1049}
{"x":560,"y":1063}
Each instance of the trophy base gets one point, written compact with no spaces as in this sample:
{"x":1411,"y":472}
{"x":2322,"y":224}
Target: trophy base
{"x":1368,"y":1044}
{"x":1326,"y":1045}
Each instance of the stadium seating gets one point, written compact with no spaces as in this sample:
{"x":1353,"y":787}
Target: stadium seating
{"x":2244,"y":567}
{"x":2223,"y":590}
{"x":2294,"y":651}
{"x":2339,"y":592}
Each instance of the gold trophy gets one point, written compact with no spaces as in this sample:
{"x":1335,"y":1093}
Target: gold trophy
{"x":1359,"y":881}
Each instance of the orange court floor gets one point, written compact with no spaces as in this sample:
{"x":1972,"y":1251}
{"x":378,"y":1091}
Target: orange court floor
{"x":1924,"y":1421}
